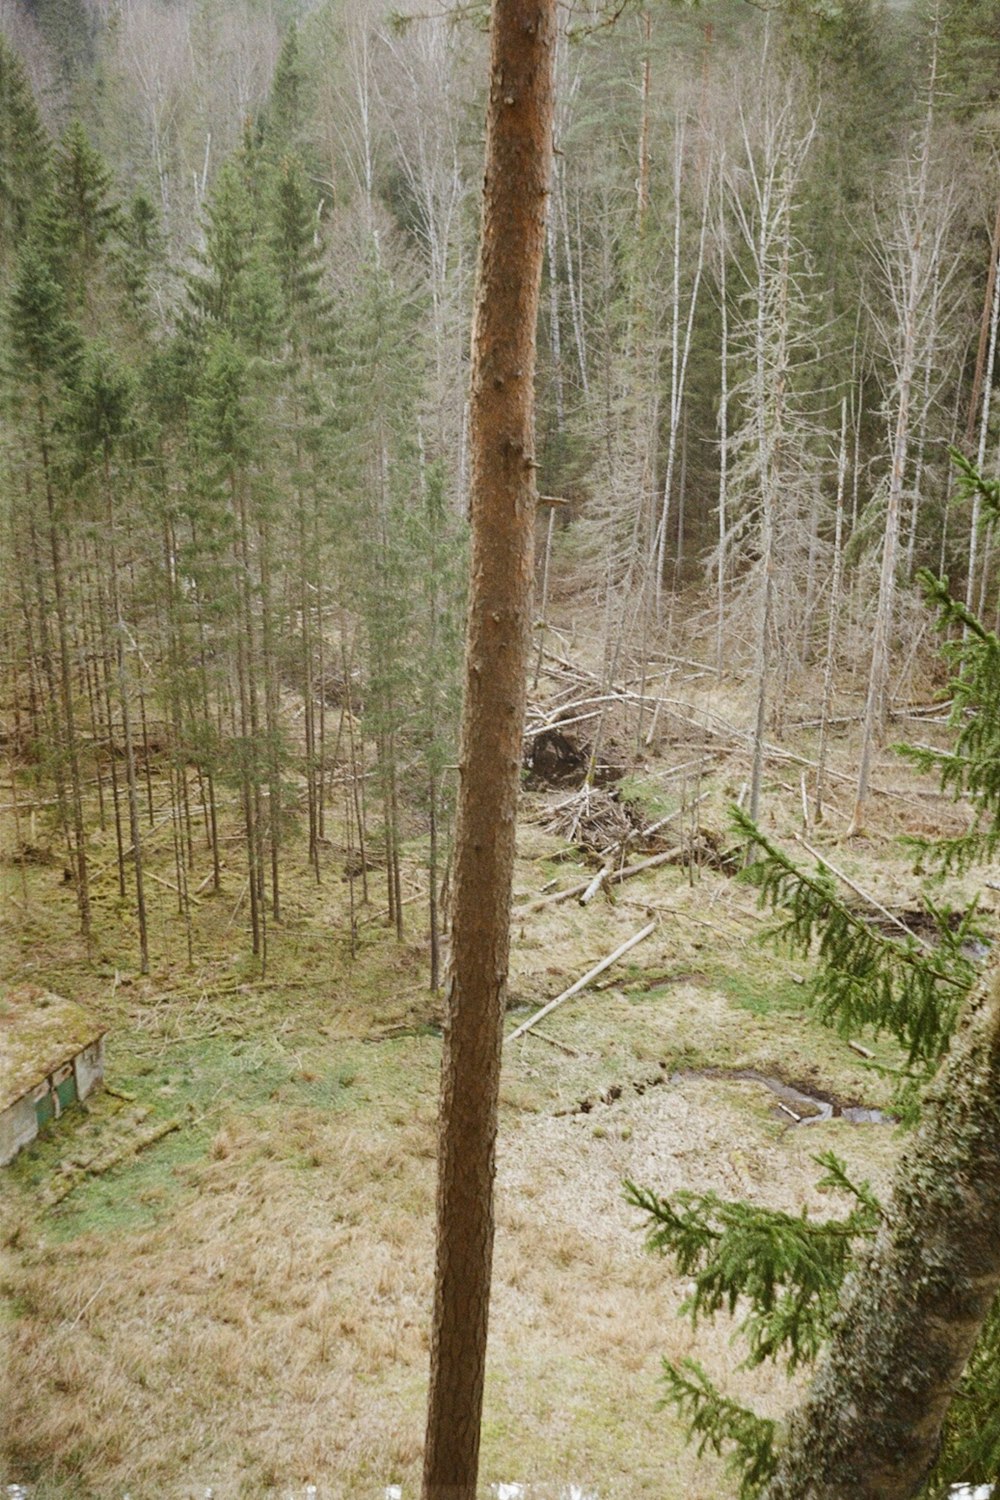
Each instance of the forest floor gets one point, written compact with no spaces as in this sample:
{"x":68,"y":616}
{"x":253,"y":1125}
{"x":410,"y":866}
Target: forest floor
{"x":243,"y":1302}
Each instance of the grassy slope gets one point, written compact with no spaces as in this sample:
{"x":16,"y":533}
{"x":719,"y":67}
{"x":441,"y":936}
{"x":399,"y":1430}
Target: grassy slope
{"x":245,"y":1303}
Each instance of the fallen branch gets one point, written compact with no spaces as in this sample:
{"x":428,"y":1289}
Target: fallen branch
{"x":169,"y":884}
{"x":614,"y":878}
{"x":553,"y":900}
{"x":864,"y":895}
{"x":543,"y":1036}
{"x":581,"y":984}
{"x":598,"y":881}
{"x":741,"y":741}
{"x":119,"y":1094}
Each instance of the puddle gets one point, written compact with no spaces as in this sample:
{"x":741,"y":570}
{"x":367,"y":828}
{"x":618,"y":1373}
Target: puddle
{"x":802,"y":1105}
{"x":797,"y":1103}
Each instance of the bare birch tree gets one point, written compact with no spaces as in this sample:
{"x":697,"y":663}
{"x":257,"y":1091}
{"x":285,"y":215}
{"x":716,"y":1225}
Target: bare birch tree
{"x":910,"y":257}
{"x":771,"y":461}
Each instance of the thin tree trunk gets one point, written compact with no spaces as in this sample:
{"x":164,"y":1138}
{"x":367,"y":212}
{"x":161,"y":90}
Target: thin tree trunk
{"x":555,"y":344}
{"x":911,"y":278}
{"x":503,"y":503}
{"x":245,"y":665}
{"x":432,"y":875}
{"x":678,"y":358}
{"x":984,"y":327}
{"x":135,"y":827}
{"x":271,"y":723}
{"x":720,"y":582}
{"x":53,"y":732}
{"x":66,"y":696}
{"x":88,"y":653}
{"x":102,"y":610}
{"x":984,"y":422}
{"x":831,"y":630}
{"x":574,"y":285}
{"x":357,"y":771}
{"x":397,"y":890}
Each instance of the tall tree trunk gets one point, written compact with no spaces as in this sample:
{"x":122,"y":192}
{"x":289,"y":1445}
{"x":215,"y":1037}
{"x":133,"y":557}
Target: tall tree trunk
{"x":870,"y":1426}
{"x":66,"y":694}
{"x":984,"y":426}
{"x":833,"y":616}
{"x":720,"y":578}
{"x":503,"y":501}
{"x":913,"y":276}
{"x":102,"y":610}
{"x":135,"y":827}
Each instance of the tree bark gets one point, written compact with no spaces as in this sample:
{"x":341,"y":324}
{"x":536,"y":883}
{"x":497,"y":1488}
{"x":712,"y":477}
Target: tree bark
{"x":503,"y":506}
{"x":870,"y":1426}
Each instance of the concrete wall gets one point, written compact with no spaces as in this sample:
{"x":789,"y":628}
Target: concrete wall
{"x":18,"y":1126}
{"x":89,"y":1067}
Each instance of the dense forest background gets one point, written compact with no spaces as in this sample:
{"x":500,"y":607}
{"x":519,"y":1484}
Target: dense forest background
{"x":237,"y":247}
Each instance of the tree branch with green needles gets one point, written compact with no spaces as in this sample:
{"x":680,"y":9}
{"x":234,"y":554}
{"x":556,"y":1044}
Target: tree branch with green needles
{"x":716,"y":1422}
{"x":864,"y":978}
{"x":788,"y":1267}
{"x":972,"y":767}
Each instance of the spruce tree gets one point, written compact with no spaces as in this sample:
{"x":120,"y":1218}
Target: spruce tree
{"x":25,"y":151}
{"x":104,"y":418}
{"x":81,"y":221}
{"x":307,"y":351}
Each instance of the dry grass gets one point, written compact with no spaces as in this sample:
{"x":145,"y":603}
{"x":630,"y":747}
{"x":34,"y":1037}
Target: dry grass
{"x":246,"y":1304}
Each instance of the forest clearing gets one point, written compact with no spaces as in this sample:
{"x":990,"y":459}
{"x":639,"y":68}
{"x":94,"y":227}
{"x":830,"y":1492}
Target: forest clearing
{"x":242,"y":1302}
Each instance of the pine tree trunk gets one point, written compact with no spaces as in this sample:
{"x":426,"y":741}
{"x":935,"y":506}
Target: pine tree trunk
{"x":102,"y":610}
{"x":503,"y":503}
{"x":720,"y":579}
{"x":870,"y":1426}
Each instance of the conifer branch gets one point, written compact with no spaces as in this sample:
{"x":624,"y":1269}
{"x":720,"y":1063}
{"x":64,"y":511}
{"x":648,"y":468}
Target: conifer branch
{"x":972,"y":768}
{"x":788,"y":1267}
{"x":717,"y":1423}
{"x":971,"y":482}
{"x":865,"y":978}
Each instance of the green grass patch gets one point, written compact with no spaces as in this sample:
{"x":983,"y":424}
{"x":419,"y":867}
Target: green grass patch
{"x":764,"y":995}
{"x":648,"y":795}
{"x":203,"y":1082}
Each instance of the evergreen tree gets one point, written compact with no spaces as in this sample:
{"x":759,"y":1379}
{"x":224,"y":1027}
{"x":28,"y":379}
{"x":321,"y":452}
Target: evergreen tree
{"x":283,"y":120}
{"x":24,"y":151}
{"x":970,"y":59}
{"x":81,"y":220}
{"x":45,"y":350}
{"x":104,"y":419}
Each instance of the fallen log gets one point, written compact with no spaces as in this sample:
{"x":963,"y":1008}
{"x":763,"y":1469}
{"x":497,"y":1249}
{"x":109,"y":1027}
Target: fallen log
{"x":614,"y":878}
{"x":581,"y":984}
